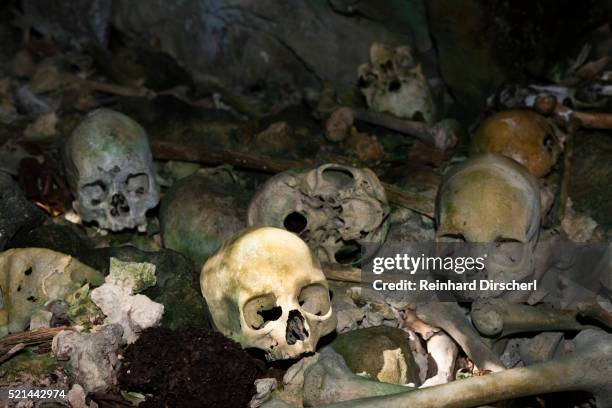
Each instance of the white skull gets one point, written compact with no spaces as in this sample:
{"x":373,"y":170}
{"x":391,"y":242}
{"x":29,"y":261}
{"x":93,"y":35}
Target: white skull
{"x":492,"y":199}
{"x":110,"y":171}
{"x":266,"y":290}
{"x":336,"y":209}
{"x":394,"y":83}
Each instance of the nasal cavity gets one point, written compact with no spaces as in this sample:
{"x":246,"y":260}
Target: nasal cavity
{"x":295,"y":328}
{"x":119,"y":205}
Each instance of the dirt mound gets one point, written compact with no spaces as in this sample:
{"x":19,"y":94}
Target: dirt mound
{"x":189,"y":367}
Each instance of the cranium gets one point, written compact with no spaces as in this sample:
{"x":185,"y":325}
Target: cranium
{"x":266,"y":290}
{"x":336,"y":209}
{"x":492,"y":199}
{"x":110,"y":171}
{"x":522,"y":135}
{"x":393,"y":82}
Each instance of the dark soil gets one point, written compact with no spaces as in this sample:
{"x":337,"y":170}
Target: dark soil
{"x":189,"y":367}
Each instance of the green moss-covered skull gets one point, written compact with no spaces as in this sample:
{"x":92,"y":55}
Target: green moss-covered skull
{"x":336,"y":209}
{"x":266,"y":290}
{"x":110,"y":171}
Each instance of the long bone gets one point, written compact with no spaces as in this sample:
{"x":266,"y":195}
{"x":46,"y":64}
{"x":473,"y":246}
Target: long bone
{"x":588,"y":369}
{"x":449,"y":317}
{"x":498,"y":318}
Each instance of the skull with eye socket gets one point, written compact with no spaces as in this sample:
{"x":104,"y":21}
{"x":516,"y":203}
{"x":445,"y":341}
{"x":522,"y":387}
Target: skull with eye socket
{"x":491,"y":199}
{"x":393,"y":82}
{"x":266,"y":290}
{"x":523,"y":135}
{"x":110,"y":171}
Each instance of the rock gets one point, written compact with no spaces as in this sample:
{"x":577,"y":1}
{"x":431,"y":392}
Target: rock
{"x":482,"y":44}
{"x":245,"y":42}
{"x":40,"y":319}
{"x":30,"y":277}
{"x":201,"y":211}
{"x":540,"y":348}
{"x":381,"y":352}
{"x":589,"y":185}
{"x":70,"y":23}
{"x":133,"y":276}
{"x":177,"y":287}
{"x":57,"y":237}
{"x":92,"y":357}
{"x":264,"y":388}
{"x":133,"y":312}
{"x":16,"y":212}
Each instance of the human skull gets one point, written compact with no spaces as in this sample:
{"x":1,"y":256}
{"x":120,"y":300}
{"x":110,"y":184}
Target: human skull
{"x":266,"y":290}
{"x":110,"y":171}
{"x":522,"y":135}
{"x":492,"y":199}
{"x":336,"y":209}
{"x":393,"y":82}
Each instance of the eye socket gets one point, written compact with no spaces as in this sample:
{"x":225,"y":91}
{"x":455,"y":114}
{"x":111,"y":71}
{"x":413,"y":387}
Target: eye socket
{"x":499,"y":241}
{"x":314,"y":299}
{"x":260,"y":310}
{"x":94,"y":192}
{"x":452,"y":238}
{"x":548,"y":142}
{"x":137,"y":183}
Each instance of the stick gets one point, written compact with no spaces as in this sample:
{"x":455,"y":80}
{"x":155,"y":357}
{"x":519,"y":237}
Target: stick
{"x":30,"y":338}
{"x":173,"y":151}
{"x":16,"y":349}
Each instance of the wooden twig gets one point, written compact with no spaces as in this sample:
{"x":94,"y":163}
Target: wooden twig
{"x":173,"y":151}
{"x":30,"y":338}
{"x":565,"y":173}
{"x":16,"y":349}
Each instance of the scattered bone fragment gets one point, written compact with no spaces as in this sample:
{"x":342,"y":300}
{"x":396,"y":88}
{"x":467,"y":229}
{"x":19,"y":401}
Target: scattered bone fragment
{"x":339,"y":124}
{"x":443,"y":351}
{"x":133,"y":312}
{"x":91,"y":357}
{"x":381,"y":352}
{"x":498,"y":318}
{"x":450,"y":318}
{"x":587,"y":369}
{"x":264,"y":388}
{"x":119,"y":303}
{"x":330,"y":380}
{"x":540,"y":348}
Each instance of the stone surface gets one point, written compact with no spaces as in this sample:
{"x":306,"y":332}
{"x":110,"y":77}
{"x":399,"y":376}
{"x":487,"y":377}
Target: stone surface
{"x":381,"y":352}
{"x":245,"y":42}
{"x":16,"y":212}
{"x":589,"y":186}
{"x":201,"y":211}
{"x":91,"y":357}
{"x":133,"y":312}
{"x":29,"y":277}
